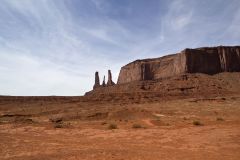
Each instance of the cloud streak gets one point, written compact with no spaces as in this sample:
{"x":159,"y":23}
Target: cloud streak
{"x":54,"y":47}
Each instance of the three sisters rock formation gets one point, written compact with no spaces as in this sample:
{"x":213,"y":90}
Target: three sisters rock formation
{"x":97,"y":80}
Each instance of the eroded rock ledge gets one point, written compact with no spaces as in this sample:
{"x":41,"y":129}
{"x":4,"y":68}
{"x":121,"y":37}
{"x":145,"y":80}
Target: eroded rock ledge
{"x":208,"y":60}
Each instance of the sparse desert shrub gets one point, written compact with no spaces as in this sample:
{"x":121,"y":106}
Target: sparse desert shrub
{"x":197,"y":123}
{"x":136,"y":126}
{"x":61,"y":125}
{"x":23,"y":120}
{"x":167,"y":124}
{"x":220,"y":119}
{"x":58,"y":125}
{"x":142,"y":87}
{"x":56,"y":120}
{"x":29,"y":120}
{"x":103,"y":123}
{"x":112,"y":126}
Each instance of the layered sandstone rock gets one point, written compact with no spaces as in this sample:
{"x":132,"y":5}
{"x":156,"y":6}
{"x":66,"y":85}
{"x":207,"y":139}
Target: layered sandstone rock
{"x":208,"y":60}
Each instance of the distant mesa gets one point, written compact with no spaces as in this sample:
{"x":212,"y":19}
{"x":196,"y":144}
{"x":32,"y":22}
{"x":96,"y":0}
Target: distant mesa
{"x":207,"y":60}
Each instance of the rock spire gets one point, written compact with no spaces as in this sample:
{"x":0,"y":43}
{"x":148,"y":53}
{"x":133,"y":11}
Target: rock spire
{"x":103,"y":83}
{"x":97,"y":81}
{"x":110,"y":82}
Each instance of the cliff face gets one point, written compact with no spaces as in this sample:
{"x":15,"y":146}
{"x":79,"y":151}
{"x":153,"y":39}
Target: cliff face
{"x":213,"y":60}
{"x":209,"y":60}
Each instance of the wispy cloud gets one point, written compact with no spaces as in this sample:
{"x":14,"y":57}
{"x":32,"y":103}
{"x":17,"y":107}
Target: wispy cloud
{"x":54,"y":47}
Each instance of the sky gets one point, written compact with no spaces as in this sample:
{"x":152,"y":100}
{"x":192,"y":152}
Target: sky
{"x":54,"y":47}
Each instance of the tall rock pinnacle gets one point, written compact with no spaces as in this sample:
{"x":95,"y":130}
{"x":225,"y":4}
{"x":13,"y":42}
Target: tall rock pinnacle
{"x":97,"y":81}
{"x":110,"y":82}
{"x":103,"y":83}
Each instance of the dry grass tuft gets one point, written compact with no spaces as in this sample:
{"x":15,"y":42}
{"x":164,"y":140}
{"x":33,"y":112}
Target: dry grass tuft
{"x":136,"y":126}
{"x":197,"y":123}
{"x":219,"y":119}
{"x":112,"y":126}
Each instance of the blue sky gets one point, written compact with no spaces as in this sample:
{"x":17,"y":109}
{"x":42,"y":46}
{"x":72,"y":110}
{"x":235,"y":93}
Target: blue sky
{"x":53,"y":47}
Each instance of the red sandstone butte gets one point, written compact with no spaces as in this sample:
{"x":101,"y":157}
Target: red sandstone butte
{"x":208,"y":60}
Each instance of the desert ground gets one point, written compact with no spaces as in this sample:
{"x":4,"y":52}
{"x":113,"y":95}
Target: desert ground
{"x":58,"y":128}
